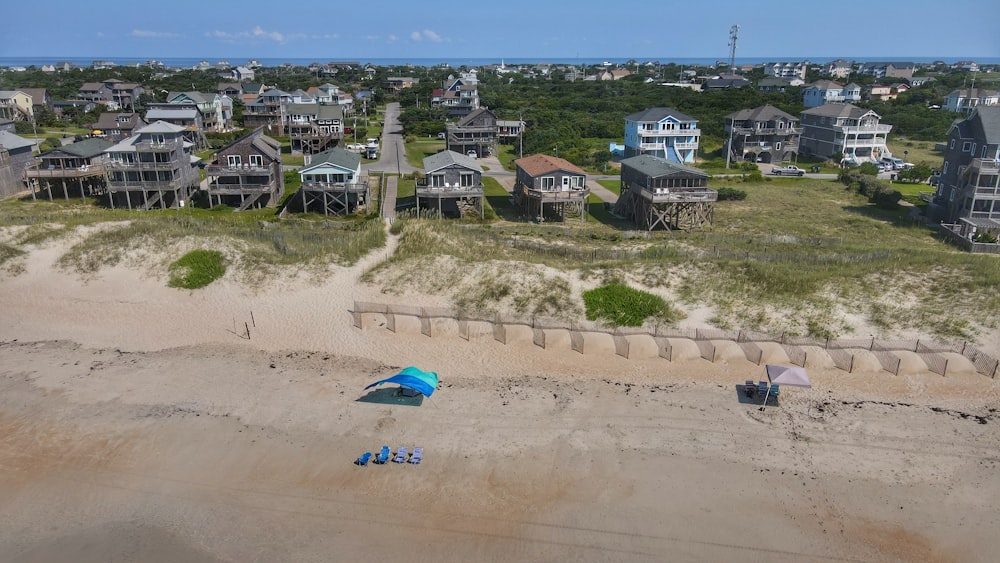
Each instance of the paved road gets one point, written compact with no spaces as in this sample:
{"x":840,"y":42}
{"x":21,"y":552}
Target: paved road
{"x":392,"y":157}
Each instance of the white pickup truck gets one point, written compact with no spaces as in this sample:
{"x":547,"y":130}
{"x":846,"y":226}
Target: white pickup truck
{"x":787,"y":171}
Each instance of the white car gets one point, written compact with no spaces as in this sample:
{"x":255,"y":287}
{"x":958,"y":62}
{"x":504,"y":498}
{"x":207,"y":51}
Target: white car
{"x":472,"y":154}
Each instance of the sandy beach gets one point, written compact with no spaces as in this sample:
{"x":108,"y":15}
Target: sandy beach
{"x":137,"y":424}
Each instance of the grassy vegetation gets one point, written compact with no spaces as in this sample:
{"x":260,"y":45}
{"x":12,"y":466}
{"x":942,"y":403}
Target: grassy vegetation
{"x":507,"y":154}
{"x":292,"y":159}
{"x":620,"y":305}
{"x":792,"y":257}
{"x":797,"y":255}
{"x":612,"y":185}
{"x":916,"y":151}
{"x":196,"y":269}
{"x":417,"y":151}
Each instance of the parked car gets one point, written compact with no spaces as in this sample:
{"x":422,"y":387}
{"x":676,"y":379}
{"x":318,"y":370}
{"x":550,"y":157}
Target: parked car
{"x":440,"y":135}
{"x":790,"y":170}
{"x":472,"y":154}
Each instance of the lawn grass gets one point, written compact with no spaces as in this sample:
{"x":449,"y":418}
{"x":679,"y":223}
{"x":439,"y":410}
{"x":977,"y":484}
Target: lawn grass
{"x":507,"y":154}
{"x":614,"y":186}
{"x":293,"y":159}
{"x":196,"y":269}
{"x":916,"y":151}
{"x":417,"y":151}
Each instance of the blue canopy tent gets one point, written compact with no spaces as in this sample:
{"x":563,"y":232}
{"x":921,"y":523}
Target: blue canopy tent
{"x":411,"y":378}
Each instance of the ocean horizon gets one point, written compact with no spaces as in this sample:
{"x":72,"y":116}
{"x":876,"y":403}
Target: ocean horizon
{"x":188,"y":62}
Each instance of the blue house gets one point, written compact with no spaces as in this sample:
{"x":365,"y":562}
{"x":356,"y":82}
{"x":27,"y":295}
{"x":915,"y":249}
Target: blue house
{"x":662,"y":132}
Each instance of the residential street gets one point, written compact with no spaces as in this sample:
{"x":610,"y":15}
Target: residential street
{"x":392,"y":156}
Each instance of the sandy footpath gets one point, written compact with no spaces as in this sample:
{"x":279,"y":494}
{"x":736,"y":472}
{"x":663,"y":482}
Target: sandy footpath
{"x":137,"y":425}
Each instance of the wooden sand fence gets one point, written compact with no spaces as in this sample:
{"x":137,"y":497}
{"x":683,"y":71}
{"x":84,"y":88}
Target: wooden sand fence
{"x":841,"y":351}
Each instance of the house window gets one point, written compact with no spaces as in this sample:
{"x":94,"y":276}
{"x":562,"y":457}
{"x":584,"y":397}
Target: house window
{"x":158,"y":139}
{"x":945,"y":170}
{"x":437,"y":181}
{"x":983,"y":155}
{"x":578,"y":182}
{"x":233,"y":160}
{"x":256,"y":160}
{"x":547,"y":183}
{"x":468,"y":179}
{"x":965,"y":146}
{"x":952,"y":146}
{"x":973,"y":151}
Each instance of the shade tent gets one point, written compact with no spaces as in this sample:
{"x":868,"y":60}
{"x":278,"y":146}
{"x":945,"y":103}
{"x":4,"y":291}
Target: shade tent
{"x":423,"y":382}
{"x":793,"y":376}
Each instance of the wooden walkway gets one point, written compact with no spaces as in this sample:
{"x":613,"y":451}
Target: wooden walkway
{"x":389,"y":198}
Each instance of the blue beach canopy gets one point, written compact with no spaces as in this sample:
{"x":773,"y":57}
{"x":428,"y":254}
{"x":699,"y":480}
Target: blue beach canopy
{"x":424,"y":382}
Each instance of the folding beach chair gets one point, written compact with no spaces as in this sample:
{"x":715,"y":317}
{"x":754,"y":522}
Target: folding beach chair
{"x":762,"y":389}
{"x":775,"y":391}
{"x":749,"y":388}
{"x":401,"y":455}
{"x":418,"y":456}
{"x":363,"y":460}
{"x":383,"y":455}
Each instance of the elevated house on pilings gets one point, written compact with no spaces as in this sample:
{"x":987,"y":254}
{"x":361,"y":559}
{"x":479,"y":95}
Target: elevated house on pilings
{"x":154,"y":168}
{"x":246,"y":173}
{"x":77,"y":168}
{"x":474,"y":135}
{"x":332,"y":183}
{"x":550,"y":187}
{"x":451,"y":181}
{"x":314,"y":128}
{"x":656,"y":193}
{"x":762,"y":134}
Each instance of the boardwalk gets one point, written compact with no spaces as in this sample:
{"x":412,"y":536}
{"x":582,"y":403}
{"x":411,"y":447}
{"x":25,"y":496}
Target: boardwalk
{"x":389,"y":198}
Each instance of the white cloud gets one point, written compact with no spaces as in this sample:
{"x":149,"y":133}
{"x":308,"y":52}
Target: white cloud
{"x":372,"y":37}
{"x":391,"y":39}
{"x":432,"y":36}
{"x":257,"y":32}
{"x":153,"y":34}
{"x":274,"y":35}
{"x":416,"y":36}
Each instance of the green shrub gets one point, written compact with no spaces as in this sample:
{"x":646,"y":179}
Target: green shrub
{"x":868,"y":169}
{"x":620,"y":305}
{"x":754,"y":177}
{"x":726,"y":193}
{"x":197,"y":268}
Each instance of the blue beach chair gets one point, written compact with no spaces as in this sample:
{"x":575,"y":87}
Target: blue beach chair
{"x":364,"y":459}
{"x":383,"y":455}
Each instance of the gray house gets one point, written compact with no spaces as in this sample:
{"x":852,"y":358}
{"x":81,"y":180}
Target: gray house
{"x":78,"y":166}
{"x":152,"y":168}
{"x":15,"y":156}
{"x":474,"y":135}
{"x":968,"y":193}
{"x":548,"y":186}
{"x":764,"y":134}
{"x":451,"y":180}
{"x":659,"y":193}
{"x":246,"y":173}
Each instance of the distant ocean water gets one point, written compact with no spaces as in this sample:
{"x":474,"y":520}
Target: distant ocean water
{"x":187,"y":62}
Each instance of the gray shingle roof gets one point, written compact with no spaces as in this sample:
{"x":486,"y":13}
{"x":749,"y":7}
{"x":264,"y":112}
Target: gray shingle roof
{"x":171,"y":113}
{"x":658,"y":114}
{"x":87,"y":148}
{"x":160,"y":127}
{"x":837,"y":109}
{"x":445,"y":159}
{"x":10,"y":141}
{"x":766,"y":112}
{"x":656,"y":167}
{"x":321,"y":111}
{"x":335,"y":156}
{"x":985,"y":124}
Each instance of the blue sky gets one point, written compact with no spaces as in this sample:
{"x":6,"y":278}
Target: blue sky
{"x":358,"y":29}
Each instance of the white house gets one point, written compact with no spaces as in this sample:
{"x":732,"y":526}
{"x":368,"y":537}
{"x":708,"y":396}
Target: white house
{"x":843,"y":131}
{"x":968,"y":99}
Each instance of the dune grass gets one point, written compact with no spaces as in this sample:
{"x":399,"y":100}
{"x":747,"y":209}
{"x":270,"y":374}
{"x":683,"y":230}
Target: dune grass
{"x":620,"y":305}
{"x":196,"y":269}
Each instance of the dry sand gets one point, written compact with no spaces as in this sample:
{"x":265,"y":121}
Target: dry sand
{"x":136,"y":425}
